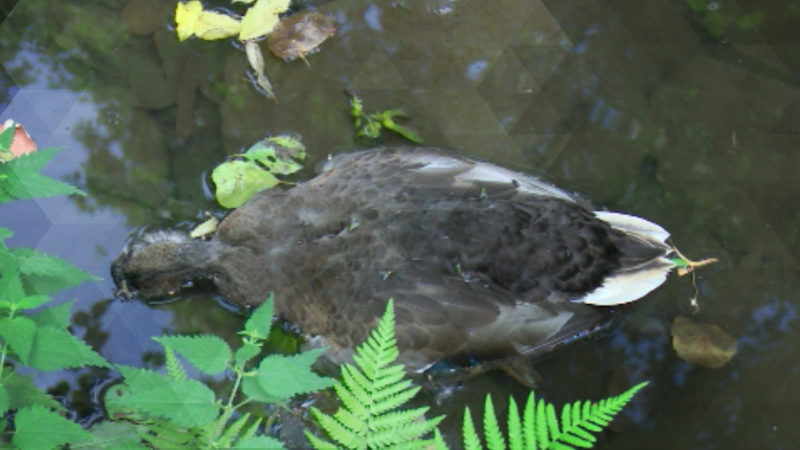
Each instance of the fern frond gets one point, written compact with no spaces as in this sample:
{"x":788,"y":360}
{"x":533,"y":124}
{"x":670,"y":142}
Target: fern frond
{"x":515,"y":437}
{"x":540,"y":427}
{"x":371,"y":391}
{"x":470,"y":436}
{"x":491,"y":430}
{"x":174,"y":368}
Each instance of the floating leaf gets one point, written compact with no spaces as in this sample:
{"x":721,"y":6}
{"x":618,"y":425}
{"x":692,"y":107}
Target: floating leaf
{"x":213,"y":25}
{"x":206,"y":228}
{"x":277,"y":154}
{"x":256,"y":60}
{"x":186,"y":15}
{"x":703,"y":344}
{"x":300,"y":34}
{"x":261,"y":18}
{"x":192,"y":20}
{"x":237,"y":181}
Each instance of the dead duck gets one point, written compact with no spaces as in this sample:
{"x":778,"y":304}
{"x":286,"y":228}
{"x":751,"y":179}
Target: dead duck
{"x":482,"y":262}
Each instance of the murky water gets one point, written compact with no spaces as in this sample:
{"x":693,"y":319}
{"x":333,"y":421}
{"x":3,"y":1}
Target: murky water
{"x":686,"y":113}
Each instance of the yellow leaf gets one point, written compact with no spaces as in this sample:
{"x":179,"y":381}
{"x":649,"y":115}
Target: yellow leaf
{"x":186,"y":15}
{"x":212,"y":25}
{"x":261,"y":18}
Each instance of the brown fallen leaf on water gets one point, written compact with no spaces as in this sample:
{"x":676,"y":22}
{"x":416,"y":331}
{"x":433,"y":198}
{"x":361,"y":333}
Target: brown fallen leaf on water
{"x":298,"y":35}
{"x":22,"y":143}
{"x":702,"y":344}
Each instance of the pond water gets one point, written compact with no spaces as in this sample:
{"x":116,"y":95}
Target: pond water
{"x":686,"y":113}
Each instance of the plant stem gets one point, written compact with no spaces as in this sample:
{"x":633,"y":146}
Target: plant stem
{"x":228,"y":409}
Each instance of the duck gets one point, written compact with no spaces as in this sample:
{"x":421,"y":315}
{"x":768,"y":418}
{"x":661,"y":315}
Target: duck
{"x":482,"y":262}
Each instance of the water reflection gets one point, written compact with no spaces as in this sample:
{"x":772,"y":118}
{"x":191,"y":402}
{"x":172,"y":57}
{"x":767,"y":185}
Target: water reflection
{"x":683,"y":112}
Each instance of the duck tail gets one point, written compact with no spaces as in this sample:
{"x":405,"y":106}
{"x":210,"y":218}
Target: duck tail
{"x":644,"y":260}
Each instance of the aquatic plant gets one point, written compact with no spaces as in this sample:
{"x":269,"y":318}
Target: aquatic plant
{"x":370,"y":125}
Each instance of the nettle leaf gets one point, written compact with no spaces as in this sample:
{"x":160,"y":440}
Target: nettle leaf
{"x":45,"y":274}
{"x":259,"y":442}
{"x":209,"y":354}
{"x":253,"y":390}
{"x":260,"y":322}
{"x":54,"y":316}
{"x":237,"y":181}
{"x":38,"y":427}
{"x":23,"y":392}
{"x":116,"y":435}
{"x":261,"y":18}
{"x":22,"y":178}
{"x":32,"y":301}
{"x":285,"y":376}
{"x":4,"y":401}
{"x":56,"y":349}
{"x":10,"y":284}
{"x":245,"y":353}
{"x":187,"y":403}
{"x":18,"y":334}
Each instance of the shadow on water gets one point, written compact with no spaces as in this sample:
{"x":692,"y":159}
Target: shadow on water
{"x":682,"y":112}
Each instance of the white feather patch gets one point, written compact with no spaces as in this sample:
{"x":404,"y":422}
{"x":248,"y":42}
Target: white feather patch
{"x":634,"y":225}
{"x":630,"y":285}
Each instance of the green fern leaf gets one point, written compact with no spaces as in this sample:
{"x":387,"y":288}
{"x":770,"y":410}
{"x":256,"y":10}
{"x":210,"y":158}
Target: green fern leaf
{"x":231,"y":432}
{"x":370,"y":391}
{"x":259,"y":442}
{"x":317,"y":443}
{"x":174,"y":368}
{"x":491,"y":430}
{"x":529,"y":423}
{"x":515,"y":438}
{"x":470,"y":436}
{"x":542,"y":433}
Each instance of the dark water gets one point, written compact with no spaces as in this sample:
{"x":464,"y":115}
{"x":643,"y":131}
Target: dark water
{"x":686,"y":113}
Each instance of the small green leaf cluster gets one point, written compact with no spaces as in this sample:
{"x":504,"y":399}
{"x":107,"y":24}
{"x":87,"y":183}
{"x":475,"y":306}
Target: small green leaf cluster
{"x":175,"y":411}
{"x":256,"y":169}
{"x":20,"y":177}
{"x":369,"y":126}
{"x":371,"y":391}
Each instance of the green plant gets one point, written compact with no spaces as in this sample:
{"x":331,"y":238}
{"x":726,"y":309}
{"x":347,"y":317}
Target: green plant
{"x":172,"y":410}
{"x":540,"y":428}
{"x":371,"y":393}
{"x":33,"y":332}
{"x":370,"y":125}
{"x":254,"y":170}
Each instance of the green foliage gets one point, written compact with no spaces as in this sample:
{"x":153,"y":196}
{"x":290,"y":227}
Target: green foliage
{"x":369,"y":126}
{"x":256,"y":169}
{"x":540,"y":428}
{"x":175,"y":411}
{"x":371,"y":393}
{"x":38,"y":427}
{"x":20,"y":177}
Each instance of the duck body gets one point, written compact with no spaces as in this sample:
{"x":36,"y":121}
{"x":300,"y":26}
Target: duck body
{"x":481,"y":261}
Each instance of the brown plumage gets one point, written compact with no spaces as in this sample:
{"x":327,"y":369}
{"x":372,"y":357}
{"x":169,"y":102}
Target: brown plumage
{"x":482,"y":262}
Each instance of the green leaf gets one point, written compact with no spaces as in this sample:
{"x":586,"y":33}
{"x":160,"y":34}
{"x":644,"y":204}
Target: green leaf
{"x":45,"y":274}
{"x":113,"y":435}
{"x":18,"y":333}
{"x":54,"y":316}
{"x":245,"y":353}
{"x":22,"y":391}
{"x":515,"y":438}
{"x":286,"y":376}
{"x":260,"y":322}
{"x":32,"y":301}
{"x":470,"y":436}
{"x":253,"y":390}
{"x":174,"y":368}
{"x":56,"y":349}
{"x":237,"y":181}
{"x":491,"y":429}
{"x":209,"y":354}
{"x":277,"y":154}
{"x":5,"y":233}
{"x":5,"y":401}
{"x":37,"y":427}
{"x":10,"y":284}
{"x":259,"y":442}
{"x":6,"y":138}
{"x":187,"y":403}
{"x":22,"y":180}
{"x":261,"y":18}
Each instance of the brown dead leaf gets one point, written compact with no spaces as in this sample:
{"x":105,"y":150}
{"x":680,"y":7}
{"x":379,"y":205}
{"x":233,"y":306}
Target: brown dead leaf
{"x":300,"y":34}
{"x":702,"y":344}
